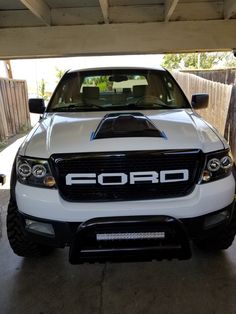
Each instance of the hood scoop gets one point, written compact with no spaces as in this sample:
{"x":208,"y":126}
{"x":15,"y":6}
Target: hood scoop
{"x":133,"y":124}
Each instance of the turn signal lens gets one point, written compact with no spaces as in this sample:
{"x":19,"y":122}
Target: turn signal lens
{"x":49,"y":181}
{"x":206,"y":176}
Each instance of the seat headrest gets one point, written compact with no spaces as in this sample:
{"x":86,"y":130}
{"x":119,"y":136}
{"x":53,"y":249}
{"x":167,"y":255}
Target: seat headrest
{"x":91,"y":92}
{"x":139,"y":90}
{"x":126,"y":90}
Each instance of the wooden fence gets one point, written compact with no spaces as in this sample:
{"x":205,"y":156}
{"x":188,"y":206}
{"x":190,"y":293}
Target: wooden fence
{"x":225,"y":76}
{"x":14,"y":112}
{"x":230,"y":128}
{"x":219,"y":97}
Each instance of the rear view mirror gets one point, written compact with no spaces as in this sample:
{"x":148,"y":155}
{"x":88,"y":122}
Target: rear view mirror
{"x":200,"y":101}
{"x":118,"y":78}
{"x":37,"y":105}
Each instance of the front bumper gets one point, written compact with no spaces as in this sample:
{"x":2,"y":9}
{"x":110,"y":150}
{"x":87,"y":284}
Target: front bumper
{"x":47,"y":204}
{"x":104,"y":239}
{"x":84,"y":246}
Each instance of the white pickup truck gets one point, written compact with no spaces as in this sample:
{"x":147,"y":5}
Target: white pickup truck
{"x":121,"y":167}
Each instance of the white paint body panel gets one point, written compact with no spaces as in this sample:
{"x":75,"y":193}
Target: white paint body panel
{"x":45,"y":203}
{"x":71,"y":133}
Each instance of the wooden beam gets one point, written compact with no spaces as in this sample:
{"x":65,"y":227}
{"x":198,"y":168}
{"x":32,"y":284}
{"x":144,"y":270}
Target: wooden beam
{"x":8,"y":69}
{"x":185,"y":11}
{"x":170,"y":6}
{"x":105,"y":7}
{"x":40,"y":9}
{"x":110,"y":39}
{"x":229,"y":8}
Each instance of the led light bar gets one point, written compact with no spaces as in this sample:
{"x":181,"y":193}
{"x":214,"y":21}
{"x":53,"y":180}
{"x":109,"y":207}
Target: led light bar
{"x":130,"y":236}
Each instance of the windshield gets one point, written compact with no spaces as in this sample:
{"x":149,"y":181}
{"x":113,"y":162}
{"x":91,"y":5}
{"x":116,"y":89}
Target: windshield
{"x":104,"y":90}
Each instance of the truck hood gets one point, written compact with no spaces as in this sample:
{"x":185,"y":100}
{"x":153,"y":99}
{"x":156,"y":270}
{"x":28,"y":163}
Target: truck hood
{"x":73,"y":133}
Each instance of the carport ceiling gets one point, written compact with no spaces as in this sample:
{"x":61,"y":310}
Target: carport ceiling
{"x":41,"y":28}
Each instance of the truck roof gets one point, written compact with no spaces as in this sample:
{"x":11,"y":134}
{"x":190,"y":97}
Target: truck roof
{"x":112,"y":67}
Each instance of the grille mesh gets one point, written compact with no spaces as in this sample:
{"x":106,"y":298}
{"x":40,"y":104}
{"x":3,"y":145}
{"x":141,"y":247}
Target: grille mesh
{"x":126,"y":163}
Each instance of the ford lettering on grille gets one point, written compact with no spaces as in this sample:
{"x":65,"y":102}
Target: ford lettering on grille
{"x":165,"y":176}
{"x":124,"y":176}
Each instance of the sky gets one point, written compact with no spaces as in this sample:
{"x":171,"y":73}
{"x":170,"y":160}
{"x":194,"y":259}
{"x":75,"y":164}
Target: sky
{"x":34,"y":70}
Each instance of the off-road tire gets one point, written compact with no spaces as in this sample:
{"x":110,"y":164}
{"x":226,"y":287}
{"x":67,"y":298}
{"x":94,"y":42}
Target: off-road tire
{"x":221,"y":241}
{"x":19,"y":241}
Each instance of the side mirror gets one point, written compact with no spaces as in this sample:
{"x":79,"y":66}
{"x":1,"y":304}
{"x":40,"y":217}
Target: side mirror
{"x":37,"y":105}
{"x":200,"y":101}
{"x":2,"y":179}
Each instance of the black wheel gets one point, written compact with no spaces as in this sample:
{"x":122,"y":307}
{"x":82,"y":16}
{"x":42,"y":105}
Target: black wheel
{"x":220,"y":241}
{"x":20,"y":242}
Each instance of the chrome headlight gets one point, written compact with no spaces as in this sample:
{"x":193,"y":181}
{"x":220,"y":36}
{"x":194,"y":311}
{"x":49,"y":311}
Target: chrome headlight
{"x":34,"y":172}
{"x":217,"y":166}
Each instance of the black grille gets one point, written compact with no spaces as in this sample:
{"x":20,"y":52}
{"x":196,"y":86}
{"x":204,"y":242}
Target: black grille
{"x":119,"y":162}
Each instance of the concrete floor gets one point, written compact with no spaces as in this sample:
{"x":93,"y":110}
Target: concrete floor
{"x":204,"y":284}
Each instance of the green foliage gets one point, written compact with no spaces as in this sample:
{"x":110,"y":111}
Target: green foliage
{"x":229,"y":60}
{"x":100,"y":81}
{"x":3,"y":144}
{"x":25,"y":128}
{"x":173,"y":61}
{"x":42,"y":89}
{"x":102,"y":86}
{"x":199,"y":60}
{"x":59,"y":73}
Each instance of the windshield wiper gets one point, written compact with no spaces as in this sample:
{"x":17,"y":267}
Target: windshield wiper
{"x":75,"y":108}
{"x":144,"y":106}
{"x":94,"y":107}
{"x":64,"y":108}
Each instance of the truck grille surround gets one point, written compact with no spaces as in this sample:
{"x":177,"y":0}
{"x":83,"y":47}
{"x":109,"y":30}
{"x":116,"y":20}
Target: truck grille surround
{"x":126,"y":162}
